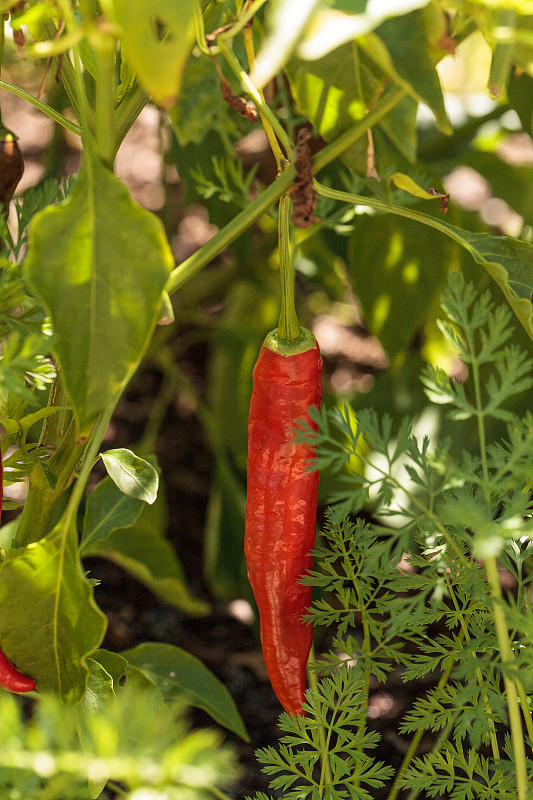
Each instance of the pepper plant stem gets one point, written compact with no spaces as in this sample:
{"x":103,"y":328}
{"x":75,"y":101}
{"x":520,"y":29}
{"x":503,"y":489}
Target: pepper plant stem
{"x":513,"y":709}
{"x":192,"y":265}
{"x":288,"y":326}
{"x":254,"y":93}
{"x":248,"y":37}
{"x":104,"y":54}
{"x":46,"y":487}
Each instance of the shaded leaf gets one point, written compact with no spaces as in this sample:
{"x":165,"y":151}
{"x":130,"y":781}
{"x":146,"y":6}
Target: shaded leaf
{"x":143,"y":551}
{"x":412,"y":60}
{"x":179,"y":674}
{"x":107,"y":509}
{"x":398,"y":274}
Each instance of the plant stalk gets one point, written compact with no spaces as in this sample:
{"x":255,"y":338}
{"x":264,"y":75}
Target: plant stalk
{"x":288,"y":326}
{"x":104,"y":54}
{"x":513,"y":708}
{"x":248,"y":37}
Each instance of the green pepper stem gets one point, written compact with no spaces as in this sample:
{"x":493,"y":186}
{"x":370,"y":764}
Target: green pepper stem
{"x":288,"y":327}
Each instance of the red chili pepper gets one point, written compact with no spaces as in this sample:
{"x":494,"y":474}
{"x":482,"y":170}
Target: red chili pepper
{"x":10,"y":678}
{"x":13,"y":680}
{"x":281,"y":507}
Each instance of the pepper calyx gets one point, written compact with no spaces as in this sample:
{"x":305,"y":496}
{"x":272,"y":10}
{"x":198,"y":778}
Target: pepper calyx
{"x":290,"y":347}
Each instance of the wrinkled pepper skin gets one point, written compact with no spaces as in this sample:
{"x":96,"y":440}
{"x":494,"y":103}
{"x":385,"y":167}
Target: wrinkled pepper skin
{"x":281,"y":513}
{"x":10,"y":678}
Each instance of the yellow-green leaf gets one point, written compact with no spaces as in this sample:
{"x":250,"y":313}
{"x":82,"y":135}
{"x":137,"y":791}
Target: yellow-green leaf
{"x":157,"y":37}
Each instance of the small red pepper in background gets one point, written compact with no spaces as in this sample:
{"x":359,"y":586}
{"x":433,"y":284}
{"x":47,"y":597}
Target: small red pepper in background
{"x":13,"y":680}
{"x":281,"y":507}
{"x":10,"y":678}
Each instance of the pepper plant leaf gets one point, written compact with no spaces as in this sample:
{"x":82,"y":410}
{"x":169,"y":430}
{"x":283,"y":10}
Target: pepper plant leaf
{"x":412,"y":44}
{"x":99,"y":263}
{"x":335,"y":91}
{"x":49,"y":622}
{"x":107,"y":509}
{"x":179,"y":674}
{"x":388,"y":260}
{"x":132,"y":475}
{"x":144,"y":552}
{"x":157,"y":37}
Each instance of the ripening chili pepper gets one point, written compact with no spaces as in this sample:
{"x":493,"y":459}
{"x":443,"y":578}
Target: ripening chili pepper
{"x":281,"y":506}
{"x":13,"y":680}
{"x":10,"y":678}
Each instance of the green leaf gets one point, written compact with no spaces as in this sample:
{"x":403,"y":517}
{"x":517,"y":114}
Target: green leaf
{"x":107,"y":509}
{"x":23,"y":425}
{"x":398,"y":274}
{"x":133,"y":475}
{"x":178,"y":673}
{"x":225,"y":566}
{"x":200,"y":107}
{"x":157,"y":37}
{"x":143,"y":551}
{"x":413,"y":61}
{"x":115,"y":666}
{"x":510,"y":263}
{"x":327,"y":91}
{"x":49,"y":622}
{"x":99,"y":263}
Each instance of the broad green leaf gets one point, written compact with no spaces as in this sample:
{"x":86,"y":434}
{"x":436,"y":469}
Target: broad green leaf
{"x":133,"y":475}
{"x":8,"y":533}
{"x":49,"y":622}
{"x":409,"y":41}
{"x":157,"y":37}
{"x":179,"y":674}
{"x":520,"y":91}
{"x":344,"y":21}
{"x":143,"y":551}
{"x":510,"y":263}
{"x":398,"y":274}
{"x":200,"y":107}
{"x":107,"y":509}
{"x":99,"y":263}
{"x":327,"y":91}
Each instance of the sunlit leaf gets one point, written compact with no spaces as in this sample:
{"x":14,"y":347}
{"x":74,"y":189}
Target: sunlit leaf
{"x":133,"y":475}
{"x":49,"y":622}
{"x":157,"y":37}
{"x":107,"y":509}
{"x":99,"y":263}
